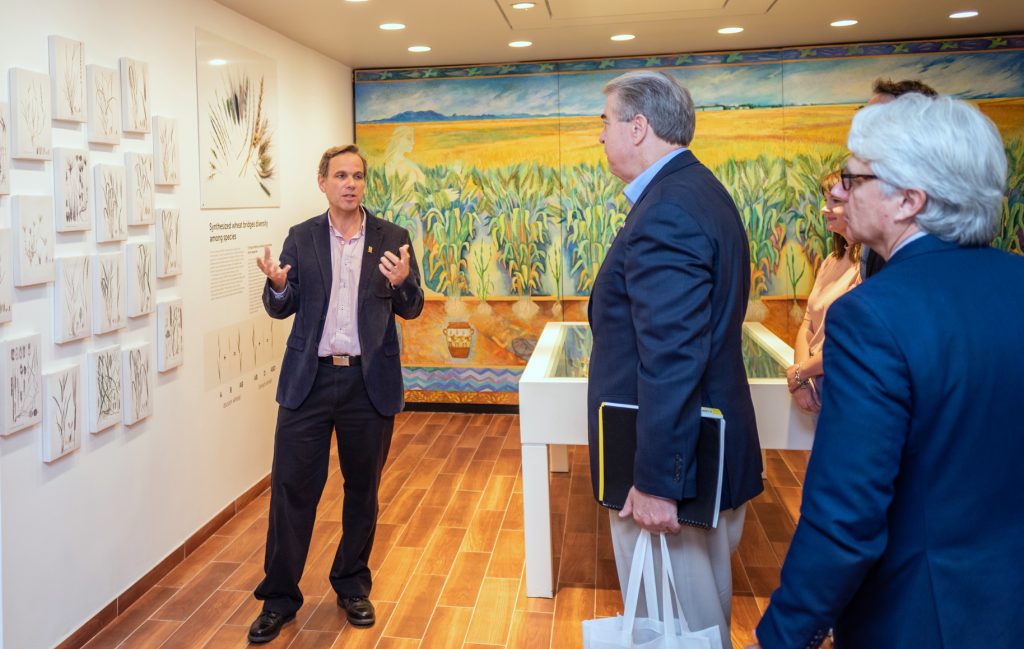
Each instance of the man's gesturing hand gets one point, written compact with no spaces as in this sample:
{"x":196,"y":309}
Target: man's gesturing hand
{"x":396,"y":269}
{"x":278,"y":276}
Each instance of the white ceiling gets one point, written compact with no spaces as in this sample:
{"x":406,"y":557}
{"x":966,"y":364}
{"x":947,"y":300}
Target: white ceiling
{"x":478,"y":31}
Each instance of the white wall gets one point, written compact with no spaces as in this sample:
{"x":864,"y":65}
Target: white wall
{"x":78,"y":532}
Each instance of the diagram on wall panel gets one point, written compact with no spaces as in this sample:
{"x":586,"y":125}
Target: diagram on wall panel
{"x":111,"y":205}
{"x":141,"y":280}
{"x":165,"y":151}
{"x":67,"y":76}
{"x":242,"y":356}
{"x":170,"y":335}
{"x":30,"y":115}
{"x":62,"y":413}
{"x":134,"y":95}
{"x":137,"y":383}
{"x":21,"y":378}
{"x":32,"y":223}
{"x":6,"y":276}
{"x":5,"y":150}
{"x":237,"y":125}
{"x":71,"y":190}
{"x":103,"y":103}
{"x":168,"y":243}
{"x":71,"y":308}
{"x":109,"y":292}
{"x":139,"y":188}
{"x":103,"y":377}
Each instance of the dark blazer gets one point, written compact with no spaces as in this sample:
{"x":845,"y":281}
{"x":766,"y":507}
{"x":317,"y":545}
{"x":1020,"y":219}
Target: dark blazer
{"x":666,"y":312}
{"x":307,"y":249}
{"x":911,"y":532}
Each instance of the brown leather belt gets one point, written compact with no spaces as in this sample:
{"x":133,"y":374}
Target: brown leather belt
{"x":341,"y":361}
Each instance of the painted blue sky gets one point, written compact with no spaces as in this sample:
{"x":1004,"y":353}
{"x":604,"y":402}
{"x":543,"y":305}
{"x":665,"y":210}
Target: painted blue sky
{"x":841,"y":81}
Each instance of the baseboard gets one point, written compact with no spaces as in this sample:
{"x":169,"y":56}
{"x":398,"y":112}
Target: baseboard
{"x":472,"y":408}
{"x":111,"y":611}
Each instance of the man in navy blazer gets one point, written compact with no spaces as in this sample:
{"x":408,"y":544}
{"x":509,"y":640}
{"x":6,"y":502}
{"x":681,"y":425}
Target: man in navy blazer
{"x":910,"y":532}
{"x":666,"y":313}
{"x":344,"y":275}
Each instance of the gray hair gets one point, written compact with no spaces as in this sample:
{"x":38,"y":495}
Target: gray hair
{"x":944,"y":147}
{"x":658,"y":97}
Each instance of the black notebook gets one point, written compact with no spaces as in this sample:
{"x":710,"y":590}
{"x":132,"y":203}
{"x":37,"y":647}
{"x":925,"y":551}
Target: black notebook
{"x":617,"y":448}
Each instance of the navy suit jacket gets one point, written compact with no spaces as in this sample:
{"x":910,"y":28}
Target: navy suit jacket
{"x":666,"y":313}
{"x":911,"y":532}
{"x":307,"y":249}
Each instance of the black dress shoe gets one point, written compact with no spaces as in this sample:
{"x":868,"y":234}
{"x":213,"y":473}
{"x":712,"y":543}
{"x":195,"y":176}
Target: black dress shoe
{"x":359,"y":610}
{"x":267,"y":626}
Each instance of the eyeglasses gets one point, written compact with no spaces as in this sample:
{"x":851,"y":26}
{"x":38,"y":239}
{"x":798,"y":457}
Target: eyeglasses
{"x":847,"y":179}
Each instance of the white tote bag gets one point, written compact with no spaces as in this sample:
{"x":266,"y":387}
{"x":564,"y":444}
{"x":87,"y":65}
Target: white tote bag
{"x":630,"y":632}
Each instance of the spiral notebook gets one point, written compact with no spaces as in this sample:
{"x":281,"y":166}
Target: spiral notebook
{"x":617,"y":447}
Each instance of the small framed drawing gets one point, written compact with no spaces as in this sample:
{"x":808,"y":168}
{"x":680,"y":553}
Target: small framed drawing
{"x":169,"y":332}
{"x":67,"y":76}
{"x":5,"y":149}
{"x":103,"y":378}
{"x":21,"y":397}
{"x":6,"y":276}
{"x":111,"y":205}
{"x":165,"y":151}
{"x":103,"y":103}
{"x":109,"y":312}
{"x":31,"y":135}
{"x":71,"y":319}
{"x":136,"y":383}
{"x":141,"y":280}
{"x":134,"y":96}
{"x":168,"y":243}
{"x":71,"y":190}
{"x":62,"y":413}
{"x":139,"y":188}
{"x":32,"y":222}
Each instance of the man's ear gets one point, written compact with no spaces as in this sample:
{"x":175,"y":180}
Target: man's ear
{"x":912,"y":202}
{"x":638,"y":128}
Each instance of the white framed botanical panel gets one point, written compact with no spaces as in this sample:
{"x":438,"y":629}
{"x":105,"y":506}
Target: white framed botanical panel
{"x":109,"y":290}
{"x":31,"y":133}
{"x":168,"y":242}
{"x":136,"y":383}
{"x":140,"y":277}
{"x":6,"y":276}
{"x":67,"y":78}
{"x":134,"y":95}
{"x":21,"y":395}
{"x":32,"y":223}
{"x":139,"y":188}
{"x":103,"y":103}
{"x":63,"y":414}
{"x":72,"y":303}
{"x":71,"y":190}
{"x":5,"y":149}
{"x":103,"y":382}
{"x":166,"y":169}
{"x":237,"y":125}
{"x":111,"y":205}
{"x":169,"y":330}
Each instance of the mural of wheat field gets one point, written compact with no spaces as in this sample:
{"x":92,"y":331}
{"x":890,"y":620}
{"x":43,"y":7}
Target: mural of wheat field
{"x":498,"y":175}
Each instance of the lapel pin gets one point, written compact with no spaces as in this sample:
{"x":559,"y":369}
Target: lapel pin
{"x":369,"y":250}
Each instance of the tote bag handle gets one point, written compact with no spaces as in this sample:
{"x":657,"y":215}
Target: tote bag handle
{"x":639,"y":572}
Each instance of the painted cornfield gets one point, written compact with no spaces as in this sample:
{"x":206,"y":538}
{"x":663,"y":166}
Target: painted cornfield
{"x":498,"y":175}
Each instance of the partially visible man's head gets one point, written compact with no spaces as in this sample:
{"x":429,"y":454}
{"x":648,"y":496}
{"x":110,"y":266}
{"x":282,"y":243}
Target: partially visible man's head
{"x":658,"y":97}
{"x":325,"y":159}
{"x":947,"y":149}
{"x":885,"y":90}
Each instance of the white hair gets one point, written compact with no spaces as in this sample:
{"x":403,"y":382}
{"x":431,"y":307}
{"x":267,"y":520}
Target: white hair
{"x":947,"y":149}
{"x":657,"y":96}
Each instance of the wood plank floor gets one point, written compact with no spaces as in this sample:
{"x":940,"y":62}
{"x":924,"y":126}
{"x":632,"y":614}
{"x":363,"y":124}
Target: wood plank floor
{"x":448,"y":558}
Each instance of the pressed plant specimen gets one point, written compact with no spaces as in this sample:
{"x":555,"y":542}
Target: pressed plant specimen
{"x":142,"y":260}
{"x":167,"y":151}
{"x":113,"y":213}
{"x":594,"y":211}
{"x":169,"y":324}
{"x":64,"y":428}
{"x":34,"y":117}
{"x":137,"y":388}
{"x":6,"y":281}
{"x":22,"y":382}
{"x":140,"y":188}
{"x":135,"y":94}
{"x":169,"y":250}
{"x":72,"y":168}
{"x":105,"y":366}
{"x":72,"y":293}
{"x":240,"y":133}
{"x":68,"y":70}
{"x":5,"y":157}
{"x":104,"y":105}
{"x":110,"y":286}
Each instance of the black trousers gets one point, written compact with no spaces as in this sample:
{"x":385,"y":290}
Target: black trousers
{"x":302,"y":445}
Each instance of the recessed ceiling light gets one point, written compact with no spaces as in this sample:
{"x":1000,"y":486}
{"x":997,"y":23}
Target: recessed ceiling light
{"x":217,"y":62}
{"x":355,"y":0}
{"x":390,"y":27}
{"x":623,"y":37}
{"x":730,"y":30}
{"x":843,"y":23}
{"x":419,"y":48}
{"x":963,"y":14}
{"x":520,"y":44}
{"x":523,"y":5}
